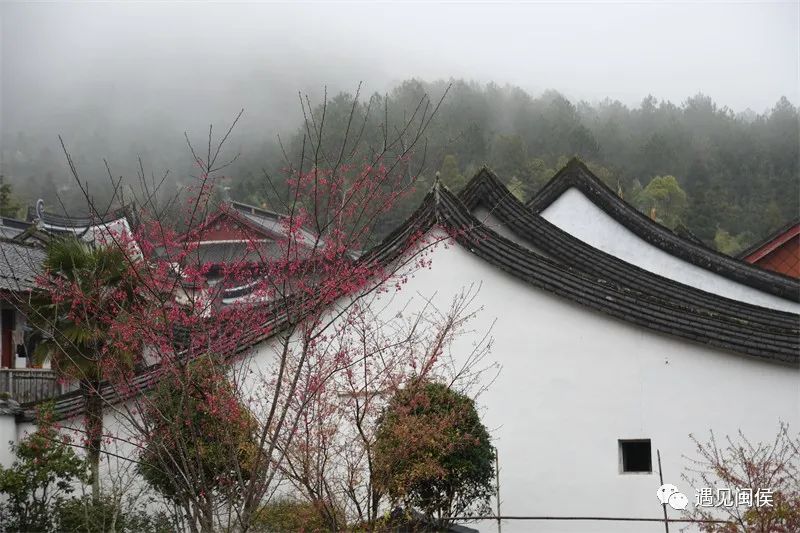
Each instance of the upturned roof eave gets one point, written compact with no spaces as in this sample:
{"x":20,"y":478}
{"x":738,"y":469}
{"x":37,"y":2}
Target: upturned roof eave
{"x":441,"y":208}
{"x":576,"y":174}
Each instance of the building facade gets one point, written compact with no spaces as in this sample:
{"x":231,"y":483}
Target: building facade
{"x":614,"y":339}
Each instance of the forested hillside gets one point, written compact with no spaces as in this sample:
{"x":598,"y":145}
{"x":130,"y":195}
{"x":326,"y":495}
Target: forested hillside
{"x":730,"y":178}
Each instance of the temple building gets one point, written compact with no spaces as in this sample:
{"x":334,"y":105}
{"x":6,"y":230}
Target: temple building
{"x":22,"y":252}
{"x":229,"y":247}
{"x":19,"y":263}
{"x":616,"y":339}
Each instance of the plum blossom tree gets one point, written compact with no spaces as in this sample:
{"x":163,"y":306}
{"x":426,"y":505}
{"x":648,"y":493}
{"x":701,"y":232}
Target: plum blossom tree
{"x":332,"y":458}
{"x":761,"y":480}
{"x":291,"y":299}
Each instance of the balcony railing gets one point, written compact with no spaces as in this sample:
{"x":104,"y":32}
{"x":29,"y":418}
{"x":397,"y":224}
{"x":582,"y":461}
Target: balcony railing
{"x":29,"y":384}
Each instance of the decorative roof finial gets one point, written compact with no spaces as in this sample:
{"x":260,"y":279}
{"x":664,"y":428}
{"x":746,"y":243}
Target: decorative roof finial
{"x":436,"y":185}
{"x":39,"y":208}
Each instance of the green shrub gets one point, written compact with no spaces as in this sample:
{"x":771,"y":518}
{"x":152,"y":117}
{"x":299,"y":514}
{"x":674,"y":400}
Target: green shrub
{"x":202,"y":438}
{"x":433,"y":453}
{"x":107,"y":514}
{"x":286,"y":514}
{"x":45,"y":472}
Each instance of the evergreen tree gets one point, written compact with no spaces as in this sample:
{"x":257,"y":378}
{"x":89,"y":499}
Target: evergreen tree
{"x":9,"y":206}
{"x":433,"y":453}
{"x":450,"y":175}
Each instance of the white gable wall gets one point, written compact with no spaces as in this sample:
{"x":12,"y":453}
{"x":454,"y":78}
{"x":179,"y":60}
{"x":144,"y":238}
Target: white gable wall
{"x":574,"y":381}
{"x":574,"y":213}
{"x":8,"y":432}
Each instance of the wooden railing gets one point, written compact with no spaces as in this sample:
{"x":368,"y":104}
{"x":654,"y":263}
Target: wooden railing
{"x":29,"y":384}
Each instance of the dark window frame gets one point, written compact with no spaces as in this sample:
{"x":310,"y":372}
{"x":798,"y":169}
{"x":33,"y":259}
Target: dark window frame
{"x":632,"y":456}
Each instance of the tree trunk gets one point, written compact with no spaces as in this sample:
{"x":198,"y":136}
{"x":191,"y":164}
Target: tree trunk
{"x":94,"y":431}
{"x":206,"y":515}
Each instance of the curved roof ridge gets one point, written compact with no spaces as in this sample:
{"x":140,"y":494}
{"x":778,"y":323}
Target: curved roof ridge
{"x":577,"y":174}
{"x":618,"y":300}
{"x":126,"y":211}
{"x":777,"y":344}
{"x":487,"y":191}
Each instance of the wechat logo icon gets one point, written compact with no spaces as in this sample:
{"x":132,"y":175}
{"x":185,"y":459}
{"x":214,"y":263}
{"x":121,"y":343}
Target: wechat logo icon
{"x":668,"y":494}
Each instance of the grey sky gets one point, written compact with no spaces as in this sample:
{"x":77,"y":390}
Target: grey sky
{"x":204,"y":61}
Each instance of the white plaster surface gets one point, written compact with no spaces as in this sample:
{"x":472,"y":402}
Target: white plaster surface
{"x":8,"y":432}
{"x":573,"y":382}
{"x":574,"y":213}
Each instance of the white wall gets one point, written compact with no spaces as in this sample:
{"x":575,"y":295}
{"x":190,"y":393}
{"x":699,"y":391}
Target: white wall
{"x":574,"y":213}
{"x":573,"y":382}
{"x":8,"y":432}
{"x":117,"y":472}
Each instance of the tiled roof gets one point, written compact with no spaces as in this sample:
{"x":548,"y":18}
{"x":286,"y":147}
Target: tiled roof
{"x":19,"y":265}
{"x":784,"y":258}
{"x":577,"y":175}
{"x":779,"y":252}
{"x":11,"y":227}
{"x":78,"y":222}
{"x":58,"y":223}
{"x":486,"y":190}
{"x":233,"y":252}
{"x":269,"y":221}
{"x":611,"y":287}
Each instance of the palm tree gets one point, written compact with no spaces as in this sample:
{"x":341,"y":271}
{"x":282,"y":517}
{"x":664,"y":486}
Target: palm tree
{"x":86,"y":289}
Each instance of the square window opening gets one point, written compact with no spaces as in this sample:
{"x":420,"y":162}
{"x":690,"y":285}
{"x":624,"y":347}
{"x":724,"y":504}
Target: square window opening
{"x":635,"y":456}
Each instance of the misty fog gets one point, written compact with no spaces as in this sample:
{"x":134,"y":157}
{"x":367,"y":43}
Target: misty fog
{"x":120,"y":81}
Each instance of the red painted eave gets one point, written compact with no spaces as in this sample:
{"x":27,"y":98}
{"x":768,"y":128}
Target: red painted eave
{"x":771,"y":245}
{"x":236,"y":222}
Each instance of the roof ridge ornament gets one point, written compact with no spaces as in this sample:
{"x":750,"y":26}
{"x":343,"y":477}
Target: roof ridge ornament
{"x":436,"y":194}
{"x":575,"y":162}
{"x":39,"y":208}
{"x":39,"y":220}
